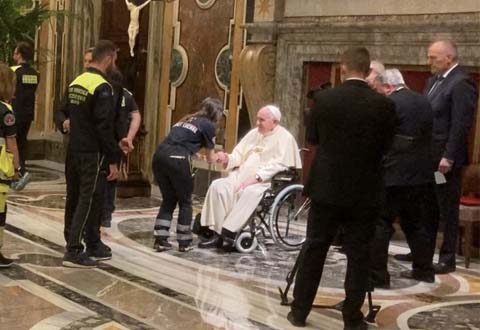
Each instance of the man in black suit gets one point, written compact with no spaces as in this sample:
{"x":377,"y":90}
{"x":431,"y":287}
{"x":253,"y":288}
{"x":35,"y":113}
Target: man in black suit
{"x":408,"y":182}
{"x":352,"y":127}
{"x":453,"y":95}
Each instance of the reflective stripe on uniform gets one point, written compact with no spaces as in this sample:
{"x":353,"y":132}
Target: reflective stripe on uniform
{"x":161,"y":232}
{"x":163,"y":223}
{"x":183,"y":228}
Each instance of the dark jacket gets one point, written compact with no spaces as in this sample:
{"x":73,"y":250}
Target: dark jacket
{"x":353,"y":127}
{"x":91,"y":111}
{"x":409,"y":160}
{"x":453,"y":103}
{"x":24,"y":101}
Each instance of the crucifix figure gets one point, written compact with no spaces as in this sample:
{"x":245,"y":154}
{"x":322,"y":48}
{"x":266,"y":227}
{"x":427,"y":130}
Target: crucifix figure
{"x":134,"y":25}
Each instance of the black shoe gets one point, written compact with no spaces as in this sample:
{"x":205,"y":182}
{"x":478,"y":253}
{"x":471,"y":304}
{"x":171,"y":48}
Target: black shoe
{"x":423,"y":277}
{"x":104,"y":246}
{"x":80,"y":260}
{"x":403,"y":257}
{"x":202,"y":232}
{"x":443,"y":268}
{"x":360,"y":326}
{"x":161,"y":244}
{"x":5,"y":262}
{"x":295,"y":322}
{"x":215,"y":242}
{"x":102,"y":252}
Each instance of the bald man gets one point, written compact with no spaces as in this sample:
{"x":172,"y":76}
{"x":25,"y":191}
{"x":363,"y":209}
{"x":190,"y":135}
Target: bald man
{"x":453,"y":96}
{"x":263,"y":152}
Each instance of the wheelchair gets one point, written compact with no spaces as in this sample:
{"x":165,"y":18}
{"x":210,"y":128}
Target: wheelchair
{"x":281,"y":215}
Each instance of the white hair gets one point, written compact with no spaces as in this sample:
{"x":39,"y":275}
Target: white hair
{"x":392,"y":77}
{"x":275,"y":111}
{"x":377,"y":67}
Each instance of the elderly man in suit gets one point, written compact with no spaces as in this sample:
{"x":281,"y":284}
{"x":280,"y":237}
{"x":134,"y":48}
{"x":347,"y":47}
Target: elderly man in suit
{"x":408,"y":183}
{"x":352,"y":127}
{"x":453,"y":95}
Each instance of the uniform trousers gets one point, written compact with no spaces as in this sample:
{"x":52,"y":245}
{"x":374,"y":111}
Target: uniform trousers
{"x":23,"y":126}
{"x":323,"y":223}
{"x":171,"y":168}
{"x":83,"y":209}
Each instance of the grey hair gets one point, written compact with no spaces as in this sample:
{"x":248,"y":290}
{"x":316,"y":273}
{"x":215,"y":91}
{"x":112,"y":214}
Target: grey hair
{"x":392,"y":77}
{"x":377,"y":67}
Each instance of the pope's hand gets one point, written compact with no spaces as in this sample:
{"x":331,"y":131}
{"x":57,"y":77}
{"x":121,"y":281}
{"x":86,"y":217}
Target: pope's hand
{"x":222,"y":157}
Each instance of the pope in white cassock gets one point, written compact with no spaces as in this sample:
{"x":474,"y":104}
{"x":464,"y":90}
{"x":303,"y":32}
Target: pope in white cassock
{"x":263,"y":152}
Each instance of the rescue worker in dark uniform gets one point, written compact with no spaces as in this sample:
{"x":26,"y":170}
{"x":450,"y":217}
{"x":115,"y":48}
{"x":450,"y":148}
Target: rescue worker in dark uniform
{"x":172,"y":170}
{"x":127,"y":123}
{"x":7,"y":140}
{"x":24,"y":99}
{"x":92,"y":143}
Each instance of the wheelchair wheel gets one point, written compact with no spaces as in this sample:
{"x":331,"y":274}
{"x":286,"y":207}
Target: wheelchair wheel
{"x":245,"y":243}
{"x":288,"y":217}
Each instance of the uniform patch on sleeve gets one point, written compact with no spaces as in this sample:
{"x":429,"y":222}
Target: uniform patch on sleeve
{"x":9,"y":119}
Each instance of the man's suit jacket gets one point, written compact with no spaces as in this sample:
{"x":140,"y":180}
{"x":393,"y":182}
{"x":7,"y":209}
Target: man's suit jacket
{"x":353,"y":127}
{"x":409,"y":160}
{"x":453,"y":103}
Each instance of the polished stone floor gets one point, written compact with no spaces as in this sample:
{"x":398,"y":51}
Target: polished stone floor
{"x":201,"y":289}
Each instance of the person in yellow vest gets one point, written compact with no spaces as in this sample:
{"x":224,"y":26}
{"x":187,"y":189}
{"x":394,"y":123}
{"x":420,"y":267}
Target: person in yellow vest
{"x":23,"y":102}
{"x":92,"y":149}
{"x":8,"y":166}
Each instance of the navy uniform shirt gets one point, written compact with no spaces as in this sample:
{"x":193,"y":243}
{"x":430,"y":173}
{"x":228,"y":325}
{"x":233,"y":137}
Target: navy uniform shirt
{"x":125,"y":107}
{"x":24,"y":100}
{"x":193,"y":134}
{"x":7,"y":126}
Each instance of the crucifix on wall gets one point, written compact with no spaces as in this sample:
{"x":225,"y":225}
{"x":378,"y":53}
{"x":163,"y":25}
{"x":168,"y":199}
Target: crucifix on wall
{"x":134,"y":6}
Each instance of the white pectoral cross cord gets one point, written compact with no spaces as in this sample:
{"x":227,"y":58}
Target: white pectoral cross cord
{"x":134,"y":25}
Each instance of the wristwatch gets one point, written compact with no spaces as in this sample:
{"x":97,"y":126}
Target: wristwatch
{"x":258,"y":178}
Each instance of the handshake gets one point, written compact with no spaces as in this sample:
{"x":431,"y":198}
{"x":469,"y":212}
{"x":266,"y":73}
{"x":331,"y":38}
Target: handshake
{"x":214,"y":157}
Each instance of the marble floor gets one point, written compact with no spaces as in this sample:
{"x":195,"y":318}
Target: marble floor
{"x":201,"y":289}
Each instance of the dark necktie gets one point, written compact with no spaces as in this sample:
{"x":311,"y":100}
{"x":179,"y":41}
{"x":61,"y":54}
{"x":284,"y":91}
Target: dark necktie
{"x":435,"y":85}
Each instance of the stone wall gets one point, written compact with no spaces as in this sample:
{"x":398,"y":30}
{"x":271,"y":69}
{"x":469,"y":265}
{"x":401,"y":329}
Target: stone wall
{"x":394,"y":39}
{"x":302,"y":8}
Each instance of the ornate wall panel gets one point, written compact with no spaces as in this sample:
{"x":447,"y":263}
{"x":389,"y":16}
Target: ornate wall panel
{"x":204,"y":32}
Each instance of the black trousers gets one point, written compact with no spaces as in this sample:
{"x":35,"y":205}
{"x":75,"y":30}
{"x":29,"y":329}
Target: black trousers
{"x":171,"y":167}
{"x":23,"y":126}
{"x":83,"y":209}
{"x":323,"y":223}
{"x":413,"y":205}
{"x":448,"y":196}
{"x":109,"y":199}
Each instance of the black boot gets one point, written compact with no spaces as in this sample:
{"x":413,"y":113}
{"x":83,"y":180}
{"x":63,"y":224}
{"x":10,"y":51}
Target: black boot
{"x":161,"y":244}
{"x":215,"y":242}
{"x":5,"y":262}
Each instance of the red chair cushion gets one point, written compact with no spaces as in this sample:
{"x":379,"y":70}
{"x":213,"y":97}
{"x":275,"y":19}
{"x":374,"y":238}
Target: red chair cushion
{"x":471,"y":201}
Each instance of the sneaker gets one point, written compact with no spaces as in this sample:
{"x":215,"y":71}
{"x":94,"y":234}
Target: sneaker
{"x":161,"y":244}
{"x":104,"y":246}
{"x":5,"y":262}
{"x":80,"y":260}
{"x":185,"y":248}
{"x":21,"y":182}
{"x":100,"y":253}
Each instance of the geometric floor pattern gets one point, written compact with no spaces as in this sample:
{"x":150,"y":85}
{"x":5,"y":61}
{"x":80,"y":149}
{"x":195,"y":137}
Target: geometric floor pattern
{"x":201,"y":289}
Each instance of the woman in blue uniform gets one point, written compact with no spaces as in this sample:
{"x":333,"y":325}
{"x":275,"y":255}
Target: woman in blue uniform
{"x":172,"y":170}
{"x":7,"y":140}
